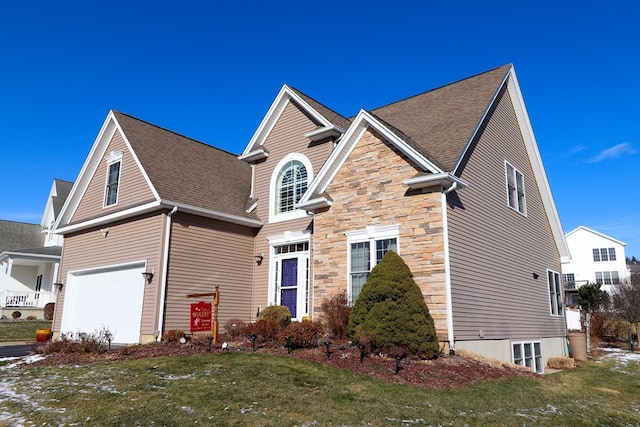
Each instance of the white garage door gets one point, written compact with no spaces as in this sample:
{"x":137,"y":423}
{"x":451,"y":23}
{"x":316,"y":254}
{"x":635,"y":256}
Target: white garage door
{"x":107,"y":298}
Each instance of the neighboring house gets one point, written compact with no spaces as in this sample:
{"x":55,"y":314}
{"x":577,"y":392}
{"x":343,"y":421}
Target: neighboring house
{"x":30,"y":257}
{"x":451,"y":179}
{"x":595,"y":258}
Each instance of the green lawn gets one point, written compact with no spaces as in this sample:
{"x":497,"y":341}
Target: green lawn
{"x":21,"y":330}
{"x":258,"y":389}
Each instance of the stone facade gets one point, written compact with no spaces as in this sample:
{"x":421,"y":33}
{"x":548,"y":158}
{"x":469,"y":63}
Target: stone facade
{"x":369,"y":191}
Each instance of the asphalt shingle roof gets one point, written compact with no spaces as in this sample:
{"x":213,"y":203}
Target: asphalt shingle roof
{"x":440,"y":122}
{"x":187,"y":171}
{"x":17,"y":235}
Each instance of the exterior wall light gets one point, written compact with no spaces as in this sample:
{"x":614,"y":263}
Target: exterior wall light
{"x":58,"y":286}
{"x":259,"y":257}
{"x":148,"y":276}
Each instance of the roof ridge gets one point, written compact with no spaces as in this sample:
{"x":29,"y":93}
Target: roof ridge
{"x":174,"y":132}
{"x":441,"y":87}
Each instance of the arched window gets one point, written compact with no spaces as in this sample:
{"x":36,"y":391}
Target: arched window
{"x":290,"y":186}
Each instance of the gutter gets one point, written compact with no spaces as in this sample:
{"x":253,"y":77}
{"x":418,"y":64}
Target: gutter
{"x":165,"y":266}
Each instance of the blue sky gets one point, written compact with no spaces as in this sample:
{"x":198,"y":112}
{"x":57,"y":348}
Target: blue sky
{"x":210,"y":70}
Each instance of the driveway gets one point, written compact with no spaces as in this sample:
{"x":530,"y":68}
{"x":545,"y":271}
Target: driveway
{"x":14,"y":349}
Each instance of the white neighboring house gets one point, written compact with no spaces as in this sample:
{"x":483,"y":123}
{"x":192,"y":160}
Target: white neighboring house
{"x":30,"y":258}
{"x":595,"y":258}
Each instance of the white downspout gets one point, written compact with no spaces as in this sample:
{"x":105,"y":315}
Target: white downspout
{"x":447,"y":267}
{"x":165,"y":265}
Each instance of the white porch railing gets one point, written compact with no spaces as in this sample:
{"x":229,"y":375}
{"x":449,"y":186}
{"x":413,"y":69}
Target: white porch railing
{"x":25,"y":298}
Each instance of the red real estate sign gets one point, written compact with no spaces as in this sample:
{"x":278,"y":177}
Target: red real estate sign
{"x":201,"y":317}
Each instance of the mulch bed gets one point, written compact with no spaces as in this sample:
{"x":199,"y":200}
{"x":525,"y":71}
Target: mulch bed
{"x":444,"y":372}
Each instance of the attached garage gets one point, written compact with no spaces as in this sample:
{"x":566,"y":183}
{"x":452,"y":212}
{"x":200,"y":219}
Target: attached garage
{"x":109,"y":297}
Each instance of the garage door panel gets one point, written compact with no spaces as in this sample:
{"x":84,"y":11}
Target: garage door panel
{"x":110,"y":299}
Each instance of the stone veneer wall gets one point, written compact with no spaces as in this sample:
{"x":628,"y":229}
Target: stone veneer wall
{"x":369,"y":191}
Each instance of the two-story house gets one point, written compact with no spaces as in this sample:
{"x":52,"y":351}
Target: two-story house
{"x":451,"y":179}
{"x":595,"y":258}
{"x":30,"y":258}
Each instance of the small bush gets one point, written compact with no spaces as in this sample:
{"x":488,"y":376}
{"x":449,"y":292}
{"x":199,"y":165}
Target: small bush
{"x":235,"y":327}
{"x":271,"y":322}
{"x":336,"y":315}
{"x":80,"y":342}
{"x":277,"y":313}
{"x":16,"y":314}
{"x":303,"y":334}
{"x":173,"y":335}
{"x":32,"y":318}
{"x":266,"y":330}
{"x":49,"y":309}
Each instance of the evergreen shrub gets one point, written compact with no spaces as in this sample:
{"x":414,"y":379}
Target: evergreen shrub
{"x":390,"y":314}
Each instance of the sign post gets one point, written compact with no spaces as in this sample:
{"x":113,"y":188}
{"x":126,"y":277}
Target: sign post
{"x":199,"y":310}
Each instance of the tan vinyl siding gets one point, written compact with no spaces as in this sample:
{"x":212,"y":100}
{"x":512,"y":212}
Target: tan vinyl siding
{"x":494,"y":250}
{"x":287,"y":136}
{"x":139,"y":239}
{"x":377,"y":196}
{"x":205,"y":253}
{"x":133,"y":189}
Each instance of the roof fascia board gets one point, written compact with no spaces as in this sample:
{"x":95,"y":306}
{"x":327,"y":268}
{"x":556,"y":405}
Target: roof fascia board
{"x":513,"y":89}
{"x":481,"y":121}
{"x":353,"y":134}
{"x":89,"y":167}
{"x":213,"y":214}
{"x":29,"y":256}
{"x":597,"y":233}
{"x":115,"y":216}
{"x":152,"y":206}
{"x":276,"y":109}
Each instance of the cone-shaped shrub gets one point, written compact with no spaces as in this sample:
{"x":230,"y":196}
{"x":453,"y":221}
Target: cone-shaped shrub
{"x":390,"y":314}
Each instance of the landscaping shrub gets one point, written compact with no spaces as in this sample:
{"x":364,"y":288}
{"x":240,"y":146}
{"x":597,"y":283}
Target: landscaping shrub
{"x":271,"y":322}
{"x":336,"y":312}
{"x":32,"y":318}
{"x":80,"y":342}
{"x":303,"y":334}
{"x":277,"y":313}
{"x":390,"y":312}
{"x":49,"y":308}
{"x":173,"y":335}
{"x":266,"y":330}
{"x":16,"y":314}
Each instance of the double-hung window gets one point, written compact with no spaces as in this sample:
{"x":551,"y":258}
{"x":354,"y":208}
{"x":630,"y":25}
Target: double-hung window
{"x":515,"y":189}
{"x":366,"y":249}
{"x":555,"y":296}
{"x":604,"y":254}
{"x":114,"y":161}
{"x":607,"y":277}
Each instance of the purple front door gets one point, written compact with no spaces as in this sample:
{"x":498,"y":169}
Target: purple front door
{"x":289,"y":285}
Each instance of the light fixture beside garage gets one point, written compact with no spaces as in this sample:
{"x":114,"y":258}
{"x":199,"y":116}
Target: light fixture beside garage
{"x":148,"y":276}
{"x":104,"y":231}
{"x":58,"y":286}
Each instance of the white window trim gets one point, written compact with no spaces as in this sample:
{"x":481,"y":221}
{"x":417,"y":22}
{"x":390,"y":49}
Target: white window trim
{"x":560,"y":307}
{"x":297,"y":213}
{"x":112,"y":158}
{"x":369,"y":234}
{"x":536,"y":369}
{"x":522,"y":210}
